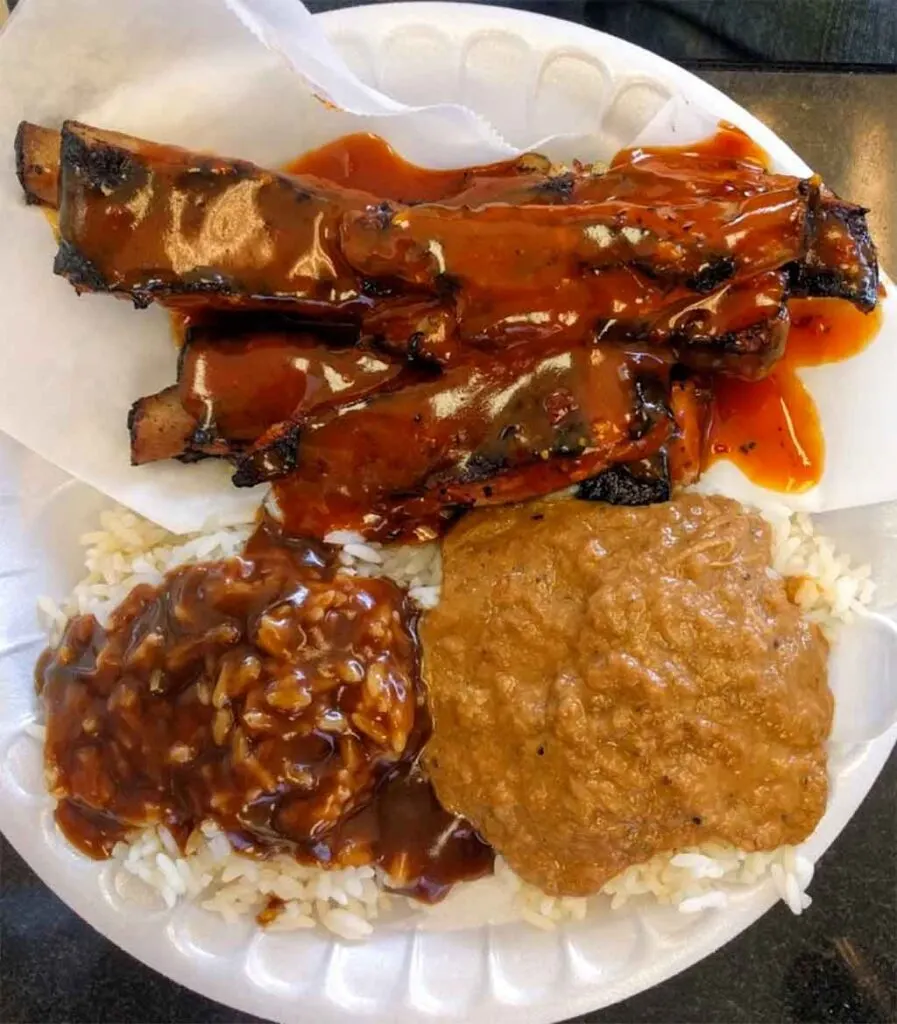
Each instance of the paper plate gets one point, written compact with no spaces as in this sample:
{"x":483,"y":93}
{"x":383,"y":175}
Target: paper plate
{"x":455,"y":968}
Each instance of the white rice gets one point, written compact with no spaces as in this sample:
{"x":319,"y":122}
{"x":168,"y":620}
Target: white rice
{"x":128,"y":550}
{"x":417,"y":567}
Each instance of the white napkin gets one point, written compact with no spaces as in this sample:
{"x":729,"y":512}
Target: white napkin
{"x":246,"y":78}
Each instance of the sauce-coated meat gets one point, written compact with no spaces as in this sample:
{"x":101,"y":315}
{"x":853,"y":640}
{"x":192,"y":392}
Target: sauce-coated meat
{"x":489,"y":431}
{"x":739,"y":330}
{"x":236,"y":381}
{"x":152,"y":221}
{"x":239,"y":385}
{"x":608,"y":683}
{"x":672,"y":260}
{"x":534,"y":248}
{"x":157,"y":222}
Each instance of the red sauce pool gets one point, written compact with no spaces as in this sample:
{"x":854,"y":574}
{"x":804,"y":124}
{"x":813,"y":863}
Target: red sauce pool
{"x":729,"y":143}
{"x":368,"y":163}
{"x":770,"y":428}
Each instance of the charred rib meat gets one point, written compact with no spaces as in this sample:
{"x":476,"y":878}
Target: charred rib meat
{"x":506,"y":332}
{"x":37,"y":163}
{"x":676,"y":216}
{"x":161,"y":428}
{"x":157,"y":222}
{"x":235,"y":383}
{"x":490,"y":431}
{"x":841,"y":261}
{"x":530,"y":249}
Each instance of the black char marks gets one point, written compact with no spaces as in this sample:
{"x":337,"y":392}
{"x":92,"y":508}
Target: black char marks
{"x":99,"y":165}
{"x":645,"y":482}
{"x":275,"y":454}
{"x":73,"y":265}
{"x":201,"y":281}
{"x":559,"y":188}
{"x":712,"y":274}
{"x":234,"y":253}
{"x":841,"y":261}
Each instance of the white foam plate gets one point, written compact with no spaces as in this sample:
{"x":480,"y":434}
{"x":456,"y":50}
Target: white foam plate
{"x":459,"y":966}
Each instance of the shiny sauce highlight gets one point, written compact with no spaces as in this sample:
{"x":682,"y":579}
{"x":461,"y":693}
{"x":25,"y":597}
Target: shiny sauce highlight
{"x":770,"y":428}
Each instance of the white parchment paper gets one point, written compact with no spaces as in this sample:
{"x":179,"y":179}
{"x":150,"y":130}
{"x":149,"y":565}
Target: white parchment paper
{"x":245,"y":78}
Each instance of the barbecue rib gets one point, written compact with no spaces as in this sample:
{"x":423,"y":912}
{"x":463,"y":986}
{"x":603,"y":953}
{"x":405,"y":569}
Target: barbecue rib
{"x":841,"y":261}
{"x":37,"y":163}
{"x":671,"y":212}
{"x":531,"y":249}
{"x":523,"y":332}
{"x":161,"y":428}
{"x":491,"y":430}
{"x":237,"y":381}
{"x":158,"y":222}
{"x":739,"y":329}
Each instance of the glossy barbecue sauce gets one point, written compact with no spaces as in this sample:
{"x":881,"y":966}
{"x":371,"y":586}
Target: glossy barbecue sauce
{"x":770,"y":428}
{"x":267,"y":693}
{"x":241,"y":374}
{"x":368,"y":163}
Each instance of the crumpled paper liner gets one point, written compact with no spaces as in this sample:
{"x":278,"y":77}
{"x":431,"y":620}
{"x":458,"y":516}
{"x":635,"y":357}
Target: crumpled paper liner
{"x":247,"y":78}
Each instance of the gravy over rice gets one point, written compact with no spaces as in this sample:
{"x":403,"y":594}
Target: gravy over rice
{"x":268,"y":693}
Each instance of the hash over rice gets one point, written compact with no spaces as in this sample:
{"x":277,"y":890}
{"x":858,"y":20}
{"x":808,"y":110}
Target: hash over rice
{"x":128,"y":550}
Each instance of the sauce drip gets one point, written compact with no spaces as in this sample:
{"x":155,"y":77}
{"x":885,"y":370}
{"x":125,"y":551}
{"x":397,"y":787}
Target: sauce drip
{"x":770,"y":428}
{"x":368,"y":163}
{"x":267,"y":693}
{"x":727,"y":144}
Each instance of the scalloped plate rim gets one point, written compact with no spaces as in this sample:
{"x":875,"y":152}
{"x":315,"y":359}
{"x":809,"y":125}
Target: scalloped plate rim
{"x":211,"y":977}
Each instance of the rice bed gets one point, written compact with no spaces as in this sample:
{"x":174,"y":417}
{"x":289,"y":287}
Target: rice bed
{"x":127,"y":550}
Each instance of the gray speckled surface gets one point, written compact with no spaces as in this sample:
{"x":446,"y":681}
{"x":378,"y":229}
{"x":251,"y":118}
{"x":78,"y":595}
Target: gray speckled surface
{"x":837,"y":963}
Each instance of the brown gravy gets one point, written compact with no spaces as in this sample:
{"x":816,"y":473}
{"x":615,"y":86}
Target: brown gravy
{"x":609,"y":683}
{"x":266,"y":692}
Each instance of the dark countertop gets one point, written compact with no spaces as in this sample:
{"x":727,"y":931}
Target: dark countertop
{"x":838,"y":962}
